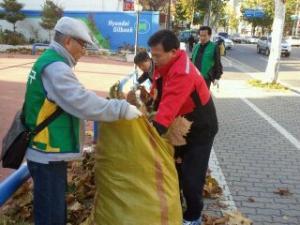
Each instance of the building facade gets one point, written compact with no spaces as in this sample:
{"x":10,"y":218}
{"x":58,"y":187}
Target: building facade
{"x":77,"y":5}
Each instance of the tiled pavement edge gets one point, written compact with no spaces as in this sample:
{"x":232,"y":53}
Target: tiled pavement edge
{"x":254,"y":157}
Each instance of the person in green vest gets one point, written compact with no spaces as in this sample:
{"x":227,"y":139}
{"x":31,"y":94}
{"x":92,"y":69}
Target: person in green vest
{"x":51,"y":84}
{"x":206,"y":57}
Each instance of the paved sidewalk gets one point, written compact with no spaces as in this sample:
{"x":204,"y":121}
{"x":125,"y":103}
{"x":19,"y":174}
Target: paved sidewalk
{"x":258,"y":148}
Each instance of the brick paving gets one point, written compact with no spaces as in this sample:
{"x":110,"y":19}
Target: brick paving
{"x":255,"y":158}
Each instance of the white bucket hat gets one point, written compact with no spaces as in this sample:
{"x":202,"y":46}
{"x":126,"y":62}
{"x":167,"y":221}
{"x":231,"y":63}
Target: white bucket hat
{"x":74,"y":28}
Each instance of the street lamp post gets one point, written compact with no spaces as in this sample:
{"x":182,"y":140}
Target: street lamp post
{"x":137,"y":8}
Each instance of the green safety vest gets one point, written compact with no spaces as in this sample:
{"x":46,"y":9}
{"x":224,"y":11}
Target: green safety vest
{"x":62,"y":134}
{"x":207,"y":58}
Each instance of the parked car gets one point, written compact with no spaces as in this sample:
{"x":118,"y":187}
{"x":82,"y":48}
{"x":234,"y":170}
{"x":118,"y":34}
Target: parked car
{"x":253,"y":40}
{"x":228,"y":43}
{"x":184,"y":35}
{"x":236,"y":38}
{"x":223,"y":34}
{"x":264,"y":46}
{"x":293,"y":40}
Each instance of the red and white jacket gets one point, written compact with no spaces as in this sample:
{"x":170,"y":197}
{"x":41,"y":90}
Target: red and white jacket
{"x":179,"y":79}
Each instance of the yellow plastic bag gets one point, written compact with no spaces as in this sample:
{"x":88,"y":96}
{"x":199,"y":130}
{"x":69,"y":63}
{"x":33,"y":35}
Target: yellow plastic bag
{"x":135,"y":174}
{"x":222,"y":49}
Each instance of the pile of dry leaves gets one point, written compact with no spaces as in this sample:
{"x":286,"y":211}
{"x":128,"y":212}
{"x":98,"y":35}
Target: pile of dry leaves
{"x":229,"y":218}
{"x":80,"y":196}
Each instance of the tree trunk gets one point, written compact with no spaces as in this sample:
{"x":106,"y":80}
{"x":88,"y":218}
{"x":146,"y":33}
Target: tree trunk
{"x":14,"y":27}
{"x":253,"y":29}
{"x":193,"y":12}
{"x":275,"y":51}
{"x":206,"y":19}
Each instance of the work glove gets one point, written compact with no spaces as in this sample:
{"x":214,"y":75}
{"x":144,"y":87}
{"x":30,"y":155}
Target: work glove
{"x":132,"y":113}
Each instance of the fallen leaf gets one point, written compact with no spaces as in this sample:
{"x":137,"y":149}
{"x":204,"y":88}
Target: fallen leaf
{"x":283,"y":192}
{"x":211,"y":188}
{"x":178,"y":130}
{"x":214,"y":220}
{"x":75,"y":206}
{"x":132,"y":98}
{"x":251,"y":199}
{"x":237,"y":218}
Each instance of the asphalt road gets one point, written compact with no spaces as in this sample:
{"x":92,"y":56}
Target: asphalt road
{"x":246,"y":54}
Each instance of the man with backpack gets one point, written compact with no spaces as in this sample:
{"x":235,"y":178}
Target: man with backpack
{"x":52,"y":84}
{"x":206,"y":57}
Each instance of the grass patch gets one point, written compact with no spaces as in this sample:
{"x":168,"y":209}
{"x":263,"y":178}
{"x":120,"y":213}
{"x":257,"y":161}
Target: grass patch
{"x":266,"y":85}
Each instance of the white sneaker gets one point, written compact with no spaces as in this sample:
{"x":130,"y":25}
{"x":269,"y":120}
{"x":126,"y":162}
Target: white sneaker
{"x":194,"y":222}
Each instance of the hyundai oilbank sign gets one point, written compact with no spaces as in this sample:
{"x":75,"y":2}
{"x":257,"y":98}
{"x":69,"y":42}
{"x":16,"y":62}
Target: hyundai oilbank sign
{"x":119,"y":28}
{"x":253,"y":13}
{"x":114,"y":30}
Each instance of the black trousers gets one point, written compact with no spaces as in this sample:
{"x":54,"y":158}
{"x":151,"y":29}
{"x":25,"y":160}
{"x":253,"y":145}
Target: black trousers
{"x":192,"y":172}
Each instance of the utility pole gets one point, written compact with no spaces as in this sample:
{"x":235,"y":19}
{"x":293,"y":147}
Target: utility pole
{"x":137,"y":9}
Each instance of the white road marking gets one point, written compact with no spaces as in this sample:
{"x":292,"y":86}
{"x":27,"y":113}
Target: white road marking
{"x":217,"y":173}
{"x":294,"y":141}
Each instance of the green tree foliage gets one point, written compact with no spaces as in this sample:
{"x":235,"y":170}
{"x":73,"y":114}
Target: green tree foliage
{"x":50,"y":15}
{"x":195,"y":10}
{"x":12,"y":12}
{"x":265,"y":22}
{"x":154,"y":5}
{"x":268,"y":6}
{"x":180,"y":13}
{"x":233,"y":20}
{"x":214,"y":9}
{"x":291,"y":9}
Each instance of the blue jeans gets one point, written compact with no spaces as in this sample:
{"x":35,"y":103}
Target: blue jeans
{"x":49,"y":187}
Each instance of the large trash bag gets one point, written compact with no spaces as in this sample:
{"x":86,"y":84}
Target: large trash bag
{"x":135,"y":174}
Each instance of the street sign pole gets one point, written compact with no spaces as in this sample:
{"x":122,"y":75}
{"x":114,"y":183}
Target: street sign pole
{"x":137,"y":8}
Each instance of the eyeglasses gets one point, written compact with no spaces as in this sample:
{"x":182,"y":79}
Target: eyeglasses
{"x":82,"y":43}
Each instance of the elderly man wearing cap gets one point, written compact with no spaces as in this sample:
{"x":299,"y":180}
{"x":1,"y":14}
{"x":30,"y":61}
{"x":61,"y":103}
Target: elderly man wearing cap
{"x":52,"y":84}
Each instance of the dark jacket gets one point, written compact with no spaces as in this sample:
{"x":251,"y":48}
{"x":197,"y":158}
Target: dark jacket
{"x":147,"y":75}
{"x":217,"y":70}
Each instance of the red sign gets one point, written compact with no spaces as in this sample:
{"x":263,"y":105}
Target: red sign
{"x":128,"y":5}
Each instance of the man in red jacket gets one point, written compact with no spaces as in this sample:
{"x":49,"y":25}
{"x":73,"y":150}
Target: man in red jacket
{"x":180,"y":90}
